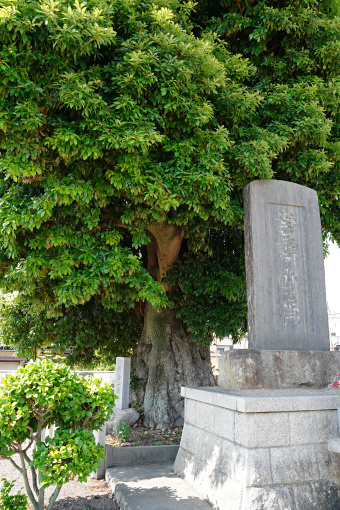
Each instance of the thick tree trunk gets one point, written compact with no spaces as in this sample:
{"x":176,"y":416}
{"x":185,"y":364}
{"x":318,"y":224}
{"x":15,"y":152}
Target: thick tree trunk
{"x":165,"y":360}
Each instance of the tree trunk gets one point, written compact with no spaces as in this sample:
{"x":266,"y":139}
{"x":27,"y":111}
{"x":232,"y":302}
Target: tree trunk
{"x":164,"y":360}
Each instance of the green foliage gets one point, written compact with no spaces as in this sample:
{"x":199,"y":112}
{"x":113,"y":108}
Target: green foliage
{"x":211,"y":291}
{"x":294,"y":49}
{"x":90,"y":330}
{"x":67,"y":455}
{"x":122,"y":431}
{"x":8,"y":502}
{"x":134,"y":382}
{"x":103,"y":137}
{"x":44,"y":393}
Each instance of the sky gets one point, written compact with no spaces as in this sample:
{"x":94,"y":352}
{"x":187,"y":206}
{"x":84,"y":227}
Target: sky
{"x":332,"y":271}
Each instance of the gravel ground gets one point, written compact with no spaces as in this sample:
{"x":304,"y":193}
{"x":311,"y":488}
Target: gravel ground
{"x":93,"y":495}
{"x":142,"y":436}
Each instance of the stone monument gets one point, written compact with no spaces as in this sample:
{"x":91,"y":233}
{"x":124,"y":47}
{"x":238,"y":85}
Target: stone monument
{"x":122,"y":412}
{"x":285,"y":269}
{"x":288,"y":335}
{"x":259,"y":441}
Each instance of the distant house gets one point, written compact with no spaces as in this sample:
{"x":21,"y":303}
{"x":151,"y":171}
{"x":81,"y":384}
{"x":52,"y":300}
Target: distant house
{"x":8,"y":358}
{"x":334,"y":330}
{"x":218,"y":347}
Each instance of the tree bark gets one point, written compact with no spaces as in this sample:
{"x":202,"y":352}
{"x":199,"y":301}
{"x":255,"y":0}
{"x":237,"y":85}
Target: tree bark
{"x":164,"y":360}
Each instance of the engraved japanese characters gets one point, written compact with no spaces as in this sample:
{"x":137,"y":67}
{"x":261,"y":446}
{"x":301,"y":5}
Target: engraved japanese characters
{"x":288,"y":268}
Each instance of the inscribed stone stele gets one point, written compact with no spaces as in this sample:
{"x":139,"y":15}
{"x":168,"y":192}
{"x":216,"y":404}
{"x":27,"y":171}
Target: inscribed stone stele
{"x":285,"y":269}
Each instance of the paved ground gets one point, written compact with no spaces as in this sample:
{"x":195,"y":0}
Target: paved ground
{"x":152,"y":487}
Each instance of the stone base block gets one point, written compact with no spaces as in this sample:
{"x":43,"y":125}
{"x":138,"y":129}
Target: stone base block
{"x":252,"y":368}
{"x":120,"y":416}
{"x":261,"y":449}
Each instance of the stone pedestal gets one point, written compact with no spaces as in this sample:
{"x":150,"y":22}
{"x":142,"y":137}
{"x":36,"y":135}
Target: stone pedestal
{"x":254,"y":369}
{"x":261,"y":449}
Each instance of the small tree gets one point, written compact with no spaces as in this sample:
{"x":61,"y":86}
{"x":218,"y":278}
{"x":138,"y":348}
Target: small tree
{"x":38,"y":396}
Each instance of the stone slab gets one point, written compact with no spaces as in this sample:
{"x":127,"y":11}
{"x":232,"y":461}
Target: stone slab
{"x":122,"y":382}
{"x":100,"y":437}
{"x":284,"y":266}
{"x":257,"y":368}
{"x":265,"y":400}
{"x":126,"y":456}
{"x":152,"y":487}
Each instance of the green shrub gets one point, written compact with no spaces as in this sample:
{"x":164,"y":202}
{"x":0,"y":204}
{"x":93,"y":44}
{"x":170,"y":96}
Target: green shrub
{"x":122,"y":431}
{"x":38,"y":395}
{"x":8,"y":502}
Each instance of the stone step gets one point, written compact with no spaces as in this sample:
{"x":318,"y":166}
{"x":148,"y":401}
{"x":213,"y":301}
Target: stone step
{"x":152,"y":487}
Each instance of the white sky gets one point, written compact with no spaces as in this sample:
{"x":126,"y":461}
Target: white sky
{"x":332,"y":270}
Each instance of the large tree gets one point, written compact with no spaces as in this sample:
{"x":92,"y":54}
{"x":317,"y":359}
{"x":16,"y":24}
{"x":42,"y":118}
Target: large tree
{"x":114,"y":166}
{"x":127,"y":135}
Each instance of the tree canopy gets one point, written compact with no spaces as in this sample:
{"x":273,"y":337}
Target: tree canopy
{"x":294,"y":46}
{"x":111,"y":135}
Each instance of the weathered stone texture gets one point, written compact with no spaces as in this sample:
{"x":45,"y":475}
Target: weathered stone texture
{"x":285,"y":269}
{"x":122,"y":382}
{"x":118,"y":416}
{"x":248,"y":455}
{"x":255,"y":368}
{"x":320,"y":495}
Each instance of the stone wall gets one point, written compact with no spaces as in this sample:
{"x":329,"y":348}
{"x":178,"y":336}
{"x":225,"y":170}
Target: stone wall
{"x":106,"y":375}
{"x":261,"y":449}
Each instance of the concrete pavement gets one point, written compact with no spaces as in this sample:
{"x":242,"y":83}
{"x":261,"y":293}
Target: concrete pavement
{"x":152,"y":487}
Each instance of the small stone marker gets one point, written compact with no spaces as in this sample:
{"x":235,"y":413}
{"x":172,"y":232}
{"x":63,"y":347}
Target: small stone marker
{"x":122,"y":382}
{"x":121,"y":412}
{"x":285,"y":269}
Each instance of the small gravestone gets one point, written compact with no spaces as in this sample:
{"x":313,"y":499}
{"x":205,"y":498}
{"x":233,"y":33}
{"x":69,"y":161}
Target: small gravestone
{"x":122,"y":413}
{"x":285,"y":269}
{"x":122,"y":382}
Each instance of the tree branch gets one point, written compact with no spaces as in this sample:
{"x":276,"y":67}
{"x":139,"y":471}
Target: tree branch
{"x":29,"y":445}
{"x":14,"y":464}
{"x":166,"y":240}
{"x":32,"y":436}
{"x":53,"y":498}
{"x":27,"y":485}
{"x":15,"y":446}
{"x":41,"y":498}
{"x":34,"y":474}
{"x":240,"y":8}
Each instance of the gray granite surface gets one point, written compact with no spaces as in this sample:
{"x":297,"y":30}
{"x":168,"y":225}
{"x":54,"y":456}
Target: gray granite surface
{"x":285,"y":268}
